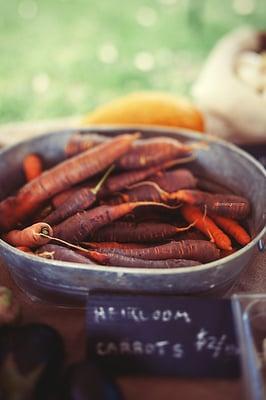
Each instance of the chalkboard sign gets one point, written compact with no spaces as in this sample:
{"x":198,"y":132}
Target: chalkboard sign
{"x":162,"y":335}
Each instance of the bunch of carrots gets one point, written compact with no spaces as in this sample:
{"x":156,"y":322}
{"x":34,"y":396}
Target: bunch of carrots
{"x":124,"y":201}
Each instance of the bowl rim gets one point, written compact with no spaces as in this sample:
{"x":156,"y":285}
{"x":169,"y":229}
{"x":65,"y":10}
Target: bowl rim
{"x":104,"y":129}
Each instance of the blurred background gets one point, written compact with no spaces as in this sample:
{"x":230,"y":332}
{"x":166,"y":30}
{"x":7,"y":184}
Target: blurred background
{"x":62,"y":58}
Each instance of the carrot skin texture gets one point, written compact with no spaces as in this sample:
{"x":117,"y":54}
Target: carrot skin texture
{"x":206,"y":226}
{"x":198,"y":250}
{"x":140,"y":193}
{"x":61,"y":197}
{"x":153,"y":151}
{"x":61,"y":177}
{"x":124,"y":179}
{"x":230,"y":206}
{"x":135,"y":232}
{"x":79,"y":143}
{"x":119,"y":260}
{"x":76,"y":228}
{"x":32,"y":166}
{"x":233,"y":229}
{"x":108,"y":245}
{"x":62,"y":254}
{"x":193,"y":234}
{"x":30,"y":236}
{"x":79,"y":201}
{"x":168,"y":179}
{"x":172,"y":181}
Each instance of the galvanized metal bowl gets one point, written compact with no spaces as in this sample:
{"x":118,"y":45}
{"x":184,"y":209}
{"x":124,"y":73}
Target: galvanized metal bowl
{"x":69,"y":283}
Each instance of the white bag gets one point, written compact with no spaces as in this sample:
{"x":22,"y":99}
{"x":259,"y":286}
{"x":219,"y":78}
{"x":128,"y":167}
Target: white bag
{"x":234,"y":108}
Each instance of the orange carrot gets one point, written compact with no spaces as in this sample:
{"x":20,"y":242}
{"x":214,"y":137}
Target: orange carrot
{"x":233,"y":229}
{"x":28,"y":199}
{"x":30,"y":236}
{"x":207,"y":226}
{"x":32,"y":166}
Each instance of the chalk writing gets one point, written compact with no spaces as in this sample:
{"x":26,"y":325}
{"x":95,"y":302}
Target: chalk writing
{"x":162,"y":335}
{"x":213,"y":343}
{"x":103,"y":313}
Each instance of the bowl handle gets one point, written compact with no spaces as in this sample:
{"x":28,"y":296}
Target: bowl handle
{"x":261,"y":245}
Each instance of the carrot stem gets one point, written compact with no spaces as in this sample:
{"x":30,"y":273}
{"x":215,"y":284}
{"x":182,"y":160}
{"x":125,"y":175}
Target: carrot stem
{"x":96,"y":189}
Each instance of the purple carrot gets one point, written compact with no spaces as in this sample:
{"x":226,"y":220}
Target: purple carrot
{"x":119,"y":260}
{"x":198,"y":250}
{"x":81,"y":200}
{"x":124,"y":232}
{"x":76,"y":228}
{"x":148,"y":152}
{"x":171,"y":181}
{"x":82,"y":142}
{"x":31,"y":196}
{"x":122,"y":180}
{"x":235,"y":207}
{"x":55,"y":252}
{"x":142,"y":191}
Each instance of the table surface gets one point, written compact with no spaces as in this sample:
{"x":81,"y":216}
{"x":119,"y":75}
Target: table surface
{"x":71,"y":322}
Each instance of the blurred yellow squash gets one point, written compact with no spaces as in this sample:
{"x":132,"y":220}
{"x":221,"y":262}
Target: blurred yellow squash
{"x":148,"y":108}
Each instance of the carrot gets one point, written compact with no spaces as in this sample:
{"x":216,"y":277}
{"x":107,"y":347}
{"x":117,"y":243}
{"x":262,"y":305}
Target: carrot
{"x":30,"y":236}
{"x":132,"y":232}
{"x":207,"y":226}
{"x":146,"y":153}
{"x":172,"y":181}
{"x":231,"y":206}
{"x":82,"y":142}
{"x":61,"y":197}
{"x":233,"y":229}
{"x":32,"y":166}
{"x":142,"y":191}
{"x":110,"y":245}
{"x":119,"y":260}
{"x":42,"y":214}
{"x":192,"y":234}
{"x":79,"y":201}
{"x":198,"y":250}
{"x":122,"y":180}
{"x":79,"y":226}
{"x":225,"y":253}
{"x":61,"y":177}
{"x":55,"y":252}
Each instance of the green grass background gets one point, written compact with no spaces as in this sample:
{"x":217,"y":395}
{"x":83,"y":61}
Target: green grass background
{"x":53,"y":52}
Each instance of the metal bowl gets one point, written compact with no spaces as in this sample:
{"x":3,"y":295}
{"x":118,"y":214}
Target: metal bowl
{"x":69,"y":283}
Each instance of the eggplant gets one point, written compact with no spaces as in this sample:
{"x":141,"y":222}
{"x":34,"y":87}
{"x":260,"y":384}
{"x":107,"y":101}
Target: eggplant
{"x":9,"y":308}
{"x":31,"y":362}
{"x":85,"y":381}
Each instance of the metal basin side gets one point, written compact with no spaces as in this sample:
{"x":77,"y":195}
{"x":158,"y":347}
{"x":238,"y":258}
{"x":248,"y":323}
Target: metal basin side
{"x":69,"y":283}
